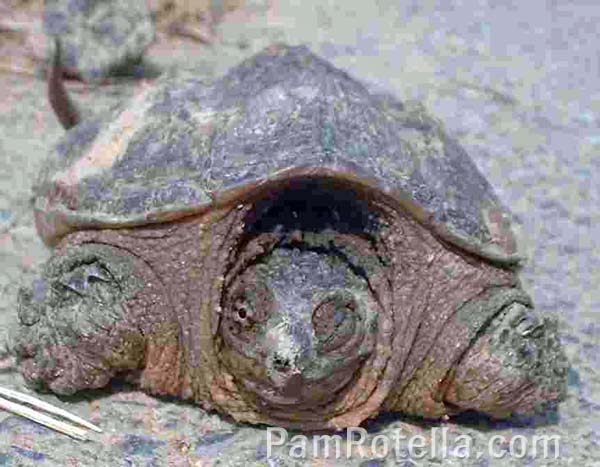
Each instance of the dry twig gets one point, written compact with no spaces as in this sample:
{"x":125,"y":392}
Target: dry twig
{"x":42,"y":419}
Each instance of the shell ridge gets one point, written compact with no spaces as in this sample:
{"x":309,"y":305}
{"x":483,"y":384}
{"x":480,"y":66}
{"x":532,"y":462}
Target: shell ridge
{"x":182,"y":144}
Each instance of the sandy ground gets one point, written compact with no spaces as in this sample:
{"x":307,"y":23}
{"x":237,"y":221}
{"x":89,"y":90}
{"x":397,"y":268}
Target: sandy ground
{"x":516,"y":82}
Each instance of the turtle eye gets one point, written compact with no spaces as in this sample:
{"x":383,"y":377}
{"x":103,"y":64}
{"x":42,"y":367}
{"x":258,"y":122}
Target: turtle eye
{"x":334,"y":321}
{"x":248,"y":306}
{"x":244,"y":310}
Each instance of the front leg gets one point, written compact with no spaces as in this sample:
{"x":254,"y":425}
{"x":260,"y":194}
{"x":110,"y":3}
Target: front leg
{"x":94,"y":313}
{"x":516,"y":366}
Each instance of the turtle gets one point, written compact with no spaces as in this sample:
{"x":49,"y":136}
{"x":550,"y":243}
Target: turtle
{"x":285,"y":246}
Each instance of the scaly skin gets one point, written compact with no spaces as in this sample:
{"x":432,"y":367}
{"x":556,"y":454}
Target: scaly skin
{"x":312,"y":305}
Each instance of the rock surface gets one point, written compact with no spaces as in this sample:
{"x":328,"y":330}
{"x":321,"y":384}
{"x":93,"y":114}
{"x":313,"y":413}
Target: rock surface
{"x":98,"y":38}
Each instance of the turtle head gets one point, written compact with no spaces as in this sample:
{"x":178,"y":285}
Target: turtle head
{"x":299,"y":317}
{"x":74,"y":333}
{"x":305,"y":318}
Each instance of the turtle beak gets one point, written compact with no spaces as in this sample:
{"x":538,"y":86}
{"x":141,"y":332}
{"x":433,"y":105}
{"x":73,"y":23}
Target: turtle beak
{"x":284,"y":357}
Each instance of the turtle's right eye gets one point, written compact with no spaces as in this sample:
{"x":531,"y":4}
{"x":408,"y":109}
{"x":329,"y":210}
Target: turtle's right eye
{"x":246,"y":307}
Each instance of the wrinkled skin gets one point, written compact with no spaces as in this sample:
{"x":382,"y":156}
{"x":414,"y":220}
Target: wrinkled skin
{"x":252,"y":246}
{"x":312,"y":304}
{"x":76,"y":316}
{"x":297,"y":314}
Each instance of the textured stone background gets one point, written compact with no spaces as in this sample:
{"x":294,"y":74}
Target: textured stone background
{"x":515,"y":81}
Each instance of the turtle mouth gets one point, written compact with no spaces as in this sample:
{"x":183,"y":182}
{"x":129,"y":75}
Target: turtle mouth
{"x":295,"y":392}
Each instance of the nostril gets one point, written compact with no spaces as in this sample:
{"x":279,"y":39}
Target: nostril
{"x":282,"y":364}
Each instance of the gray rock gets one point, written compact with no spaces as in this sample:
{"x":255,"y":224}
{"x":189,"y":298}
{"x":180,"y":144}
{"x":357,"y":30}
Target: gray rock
{"x":98,"y":37}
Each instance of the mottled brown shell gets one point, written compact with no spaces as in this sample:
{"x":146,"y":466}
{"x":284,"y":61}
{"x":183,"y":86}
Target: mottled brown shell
{"x":185,"y":145}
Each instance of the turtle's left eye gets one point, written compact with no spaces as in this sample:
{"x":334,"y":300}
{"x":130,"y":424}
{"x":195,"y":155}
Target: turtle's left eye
{"x":335,"y":321}
{"x":249,"y":307}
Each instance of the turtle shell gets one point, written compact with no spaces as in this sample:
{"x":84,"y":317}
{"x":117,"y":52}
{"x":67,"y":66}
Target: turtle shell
{"x":185,"y":145}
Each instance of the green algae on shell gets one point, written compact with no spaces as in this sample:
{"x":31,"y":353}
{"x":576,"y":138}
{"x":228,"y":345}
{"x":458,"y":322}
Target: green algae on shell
{"x":184,"y":145}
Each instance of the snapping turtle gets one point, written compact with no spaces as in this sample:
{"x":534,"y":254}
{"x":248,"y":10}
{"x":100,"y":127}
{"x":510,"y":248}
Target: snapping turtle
{"x":285,"y":247}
